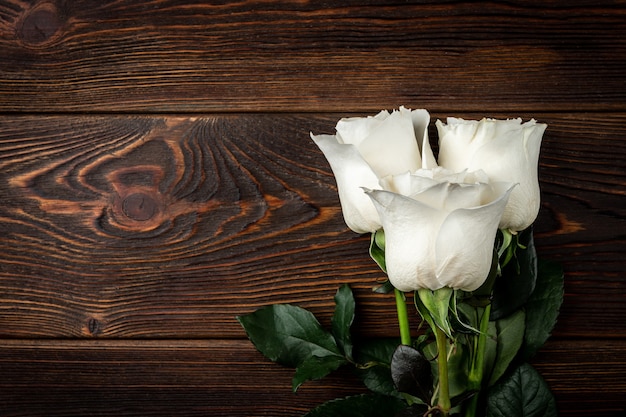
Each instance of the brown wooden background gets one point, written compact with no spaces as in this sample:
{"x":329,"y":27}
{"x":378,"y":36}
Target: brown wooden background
{"x":157,"y":179}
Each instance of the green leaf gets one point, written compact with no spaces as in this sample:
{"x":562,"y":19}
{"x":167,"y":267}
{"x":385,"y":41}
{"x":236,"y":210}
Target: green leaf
{"x":343,"y":318}
{"x":469,"y":314}
{"x":436,"y":304}
{"x":377,"y":249}
{"x":458,"y":315}
{"x":288,"y":334}
{"x":374,"y":358}
{"x":385,"y":288}
{"x":542,"y":308}
{"x":521,"y":393}
{"x":411,"y":372}
{"x":424,"y":313}
{"x":504,"y":238}
{"x":316,"y":368}
{"x":510,"y":334}
{"x":517,"y":282}
{"x":365,"y":405}
{"x":377,"y":378}
{"x":379,"y":351}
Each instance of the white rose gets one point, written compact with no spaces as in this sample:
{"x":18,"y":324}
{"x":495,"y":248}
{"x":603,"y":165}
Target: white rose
{"x":443,"y":235}
{"x":506,"y":150}
{"x":410,"y":183}
{"x":364,"y":150}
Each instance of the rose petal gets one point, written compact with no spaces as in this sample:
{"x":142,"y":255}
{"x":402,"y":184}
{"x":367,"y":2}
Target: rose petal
{"x":351,"y":173}
{"x":409,"y":229}
{"x":465,"y":242}
{"x":391,"y":148}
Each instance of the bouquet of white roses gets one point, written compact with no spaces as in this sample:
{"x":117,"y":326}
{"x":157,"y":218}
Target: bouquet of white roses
{"x":454,"y":231}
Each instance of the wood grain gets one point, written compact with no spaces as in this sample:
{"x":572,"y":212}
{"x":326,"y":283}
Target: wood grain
{"x":229,"y":378}
{"x":169,"y":227}
{"x":157,"y":180}
{"x":197,"y":56}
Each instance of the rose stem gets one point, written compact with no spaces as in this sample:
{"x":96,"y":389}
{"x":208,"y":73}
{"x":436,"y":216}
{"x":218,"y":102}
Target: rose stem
{"x":403,"y":318}
{"x":442,"y":364}
{"x":476,"y":373}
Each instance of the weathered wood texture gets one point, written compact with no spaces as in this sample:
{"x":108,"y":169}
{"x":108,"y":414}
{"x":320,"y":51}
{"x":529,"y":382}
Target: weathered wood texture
{"x":173,"y":56}
{"x":157,"y":179}
{"x":169,"y":227}
{"x":226,"y":378}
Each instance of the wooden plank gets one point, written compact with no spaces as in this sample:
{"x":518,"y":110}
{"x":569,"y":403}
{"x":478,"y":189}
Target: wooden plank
{"x":229,"y":378}
{"x":161,"y":378}
{"x":169,"y":227}
{"x":598,"y":386}
{"x":194,"y":56}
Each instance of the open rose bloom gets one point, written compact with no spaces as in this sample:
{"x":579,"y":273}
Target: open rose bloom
{"x":364,"y":150}
{"x":442,"y":235}
{"x":440,"y":222}
{"x":506,"y":150}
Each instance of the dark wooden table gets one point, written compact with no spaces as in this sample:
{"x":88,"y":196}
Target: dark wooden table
{"x":157,"y":179}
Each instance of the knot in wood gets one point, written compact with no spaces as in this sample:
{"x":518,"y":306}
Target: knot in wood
{"x":40,"y":25}
{"x":139,"y":206}
{"x":94,"y":327}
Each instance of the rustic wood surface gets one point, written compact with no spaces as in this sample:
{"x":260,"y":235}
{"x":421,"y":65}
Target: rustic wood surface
{"x":157,"y":179}
{"x":194,"y":56}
